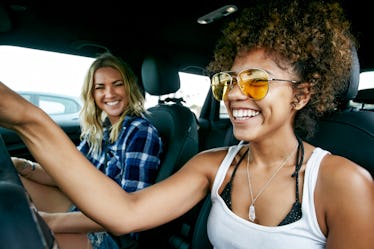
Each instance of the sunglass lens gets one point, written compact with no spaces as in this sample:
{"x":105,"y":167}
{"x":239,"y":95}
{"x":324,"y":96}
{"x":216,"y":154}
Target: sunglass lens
{"x":220,"y":83}
{"x":254,"y":83}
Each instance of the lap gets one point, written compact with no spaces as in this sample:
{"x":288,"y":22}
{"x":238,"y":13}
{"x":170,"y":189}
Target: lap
{"x":73,"y":240}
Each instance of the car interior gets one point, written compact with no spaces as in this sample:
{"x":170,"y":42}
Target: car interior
{"x":159,"y":40}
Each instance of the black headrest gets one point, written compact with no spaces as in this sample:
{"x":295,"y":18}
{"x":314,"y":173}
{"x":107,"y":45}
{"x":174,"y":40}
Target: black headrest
{"x":159,"y":77}
{"x":365,"y":96}
{"x":353,"y":81}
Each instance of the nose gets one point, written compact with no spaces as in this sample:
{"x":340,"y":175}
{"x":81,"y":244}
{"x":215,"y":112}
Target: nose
{"x":109,"y":91}
{"x":234,"y":91}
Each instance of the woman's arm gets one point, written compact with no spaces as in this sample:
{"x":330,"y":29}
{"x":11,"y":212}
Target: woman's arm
{"x":96,"y":195}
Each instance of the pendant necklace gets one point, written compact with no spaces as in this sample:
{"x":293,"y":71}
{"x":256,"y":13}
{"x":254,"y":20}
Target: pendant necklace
{"x":252,"y":211}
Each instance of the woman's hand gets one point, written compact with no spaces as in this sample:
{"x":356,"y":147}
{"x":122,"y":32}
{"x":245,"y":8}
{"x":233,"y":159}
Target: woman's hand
{"x":23,"y":166}
{"x":48,"y":218}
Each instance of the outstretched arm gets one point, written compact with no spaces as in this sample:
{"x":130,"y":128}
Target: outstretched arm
{"x":52,"y":148}
{"x":96,"y":195}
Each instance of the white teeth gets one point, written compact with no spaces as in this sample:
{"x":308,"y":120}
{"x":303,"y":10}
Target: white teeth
{"x":241,"y":113}
{"x":112,"y":103}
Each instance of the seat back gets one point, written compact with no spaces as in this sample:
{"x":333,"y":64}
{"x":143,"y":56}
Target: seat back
{"x":178,"y":129}
{"x":348,"y":132}
{"x":18,"y":215}
{"x":176,"y":123}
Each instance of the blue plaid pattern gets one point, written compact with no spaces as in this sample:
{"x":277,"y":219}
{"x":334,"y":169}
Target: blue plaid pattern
{"x":132,"y":161}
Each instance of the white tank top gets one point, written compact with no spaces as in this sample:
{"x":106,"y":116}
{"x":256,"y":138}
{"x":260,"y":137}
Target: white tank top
{"x":226,"y":230}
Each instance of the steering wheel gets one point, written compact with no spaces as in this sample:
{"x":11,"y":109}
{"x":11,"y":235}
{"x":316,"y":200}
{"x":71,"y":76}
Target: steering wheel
{"x":21,"y":225}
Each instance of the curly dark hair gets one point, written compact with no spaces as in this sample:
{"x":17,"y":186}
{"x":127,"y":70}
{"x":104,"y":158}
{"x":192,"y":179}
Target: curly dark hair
{"x":313,"y":38}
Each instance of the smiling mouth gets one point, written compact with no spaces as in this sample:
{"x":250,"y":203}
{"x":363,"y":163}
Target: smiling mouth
{"x":244,"y":113}
{"x":112,"y":103}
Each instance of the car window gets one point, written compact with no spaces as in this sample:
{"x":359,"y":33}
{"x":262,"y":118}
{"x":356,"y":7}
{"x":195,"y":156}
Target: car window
{"x":53,"y":104}
{"x":41,"y":72}
{"x":193,"y":89}
{"x":25,"y":69}
{"x":366,"y":80}
{"x":61,"y":105}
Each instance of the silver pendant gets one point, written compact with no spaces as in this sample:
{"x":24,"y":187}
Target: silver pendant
{"x":252,"y":213}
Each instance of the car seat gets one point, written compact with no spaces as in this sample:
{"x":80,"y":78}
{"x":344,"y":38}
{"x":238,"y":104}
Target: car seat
{"x":348,"y":132}
{"x":18,"y":214}
{"x":178,"y":129}
{"x":176,"y":123}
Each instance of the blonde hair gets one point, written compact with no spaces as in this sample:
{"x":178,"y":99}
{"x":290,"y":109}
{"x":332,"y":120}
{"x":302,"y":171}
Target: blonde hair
{"x":92,"y":117}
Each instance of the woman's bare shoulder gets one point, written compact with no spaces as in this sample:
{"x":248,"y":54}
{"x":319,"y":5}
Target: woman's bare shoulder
{"x":335,"y":168}
{"x":344,"y":195}
{"x":342,"y":177}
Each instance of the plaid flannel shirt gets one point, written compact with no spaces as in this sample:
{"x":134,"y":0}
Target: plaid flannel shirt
{"x":133,"y":159}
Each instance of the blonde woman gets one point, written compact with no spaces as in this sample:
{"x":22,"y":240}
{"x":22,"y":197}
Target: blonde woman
{"x":116,"y":138}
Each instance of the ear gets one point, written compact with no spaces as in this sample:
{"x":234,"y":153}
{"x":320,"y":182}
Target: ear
{"x":302,"y":95}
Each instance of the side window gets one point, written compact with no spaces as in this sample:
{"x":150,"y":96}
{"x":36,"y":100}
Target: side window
{"x":193,"y":89}
{"x":223,"y":111}
{"x":32,"y":70}
{"x":51,"y":107}
{"x":49,"y":80}
{"x":52,"y":104}
{"x":57,"y":105}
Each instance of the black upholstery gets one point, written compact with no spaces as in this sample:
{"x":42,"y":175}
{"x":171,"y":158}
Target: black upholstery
{"x":178,"y":131}
{"x":159,"y":77}
{"x":200,"y":238}
{"x":351,"y":84}
{"x":178,"y":128}
{"x":21,"y":225}
{"x":176,"y":123}
{"x":348,"y":132}
{"x":365,"y":98}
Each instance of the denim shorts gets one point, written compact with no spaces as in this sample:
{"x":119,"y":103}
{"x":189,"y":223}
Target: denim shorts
{"x":102,"y":240}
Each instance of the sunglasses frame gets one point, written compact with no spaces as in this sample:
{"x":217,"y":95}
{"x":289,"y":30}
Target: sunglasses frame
{"x":233,"y":75}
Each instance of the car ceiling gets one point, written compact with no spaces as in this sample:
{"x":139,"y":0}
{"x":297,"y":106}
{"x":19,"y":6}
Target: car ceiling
{"x":135,"y":29}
